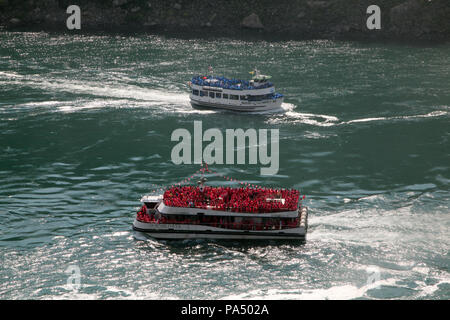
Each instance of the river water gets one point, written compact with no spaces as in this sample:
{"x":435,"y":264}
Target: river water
{"x":85,"y":131}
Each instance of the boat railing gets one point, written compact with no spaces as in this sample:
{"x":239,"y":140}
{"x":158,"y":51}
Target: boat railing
{"x":233,"y":84}
{"x":238,"y":209}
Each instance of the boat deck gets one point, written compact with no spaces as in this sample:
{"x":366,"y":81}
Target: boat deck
{"x":232,"y":84}
{"x":247,"y":200}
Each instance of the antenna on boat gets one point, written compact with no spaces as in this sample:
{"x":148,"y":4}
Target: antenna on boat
{"x":210,"y":70}
{"x":258,"y":77}
{"x":254,"y":72}
{"x":201,"y":182}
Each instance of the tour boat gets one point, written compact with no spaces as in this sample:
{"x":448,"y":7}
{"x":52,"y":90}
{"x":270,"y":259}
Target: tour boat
{"x":196,"y":212}
{"x":257,"y":94}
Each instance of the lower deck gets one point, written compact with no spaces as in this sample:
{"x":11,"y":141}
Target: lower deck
{"x":236,"y":102}
{"x":182,"y":227}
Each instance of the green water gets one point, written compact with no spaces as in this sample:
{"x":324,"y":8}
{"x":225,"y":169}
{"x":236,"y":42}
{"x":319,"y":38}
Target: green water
{"x":85,"y":131}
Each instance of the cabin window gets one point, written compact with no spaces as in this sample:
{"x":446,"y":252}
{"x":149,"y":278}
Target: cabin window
{"x":203,"y":93}
{"x":234,"y":97}
{"x":200,"y":216}
{"x":218,"y":95}
{"x":195,"y":92}
{"x":211,"y":94}
{"x":255,"y":98}
{"x":151,"y":205}
{"x":244,"y":97}
{"x":225,"y":95}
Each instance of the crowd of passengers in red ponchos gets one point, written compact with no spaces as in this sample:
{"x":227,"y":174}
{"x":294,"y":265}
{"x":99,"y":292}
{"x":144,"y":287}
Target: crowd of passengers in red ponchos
{"x":257,"y":200}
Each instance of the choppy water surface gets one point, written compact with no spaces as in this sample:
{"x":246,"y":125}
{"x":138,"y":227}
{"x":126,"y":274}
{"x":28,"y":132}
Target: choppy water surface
{"x":85,"y":131}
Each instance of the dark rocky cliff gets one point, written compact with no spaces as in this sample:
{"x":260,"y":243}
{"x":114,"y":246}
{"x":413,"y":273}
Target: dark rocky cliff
{"x":400,"y":19}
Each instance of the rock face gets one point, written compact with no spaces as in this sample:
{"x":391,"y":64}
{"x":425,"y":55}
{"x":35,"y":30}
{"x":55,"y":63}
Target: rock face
{"x":404,"y":8}
{"x":318,"y":4}
{"x":404,"y":15}
{"x":252,"y":22}
{"x":14,"y":21}
{"x":299,"y":19}
{"x":118,"y":3}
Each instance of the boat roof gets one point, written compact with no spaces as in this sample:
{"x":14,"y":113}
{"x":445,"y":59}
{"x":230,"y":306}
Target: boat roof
{"x":248,"y":200}
{"x":261,"y":77}
{"x":233,"y":84}
{"x":152,"y":198}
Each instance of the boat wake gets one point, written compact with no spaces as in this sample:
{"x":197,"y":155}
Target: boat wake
{"x":340,"y":292}
{"x":438,"y":113}
{"x":321,"y":120}
{"x":90,"y":95}
{"x":294,"y":117}
{"x":94,"y":95}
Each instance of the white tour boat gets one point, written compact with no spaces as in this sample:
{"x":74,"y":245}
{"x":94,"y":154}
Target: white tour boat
{"x":257,"y":94}
{"x":195,"y":212}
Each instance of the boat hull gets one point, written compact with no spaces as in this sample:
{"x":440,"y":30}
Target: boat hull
{"x":272,"y":105}
{"x":191,"y":231}
{"x":213,"y":233}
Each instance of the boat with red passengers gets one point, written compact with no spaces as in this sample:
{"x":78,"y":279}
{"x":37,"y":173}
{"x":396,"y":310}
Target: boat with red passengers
{"x":195,"y":212}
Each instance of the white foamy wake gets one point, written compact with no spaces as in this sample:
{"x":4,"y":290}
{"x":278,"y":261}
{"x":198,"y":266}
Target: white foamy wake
{"x":10,"y":75}
{"x":438,"y":113}
{"x":322,"y":120}
{"x":428,"y":290}
{"x":285,"y":107}
{"x":339,"y":292}
{"x":92,"y":88}
{"x":129,"y":92}
{"x":292,"y":116}
{"x":342,"y":292}
{"x":118,"y":293}
{"x":108,"y":95}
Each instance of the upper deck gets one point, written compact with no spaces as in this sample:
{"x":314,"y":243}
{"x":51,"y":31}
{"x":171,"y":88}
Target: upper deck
{"x":231,"y":84}
{"x":237,"y":200}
